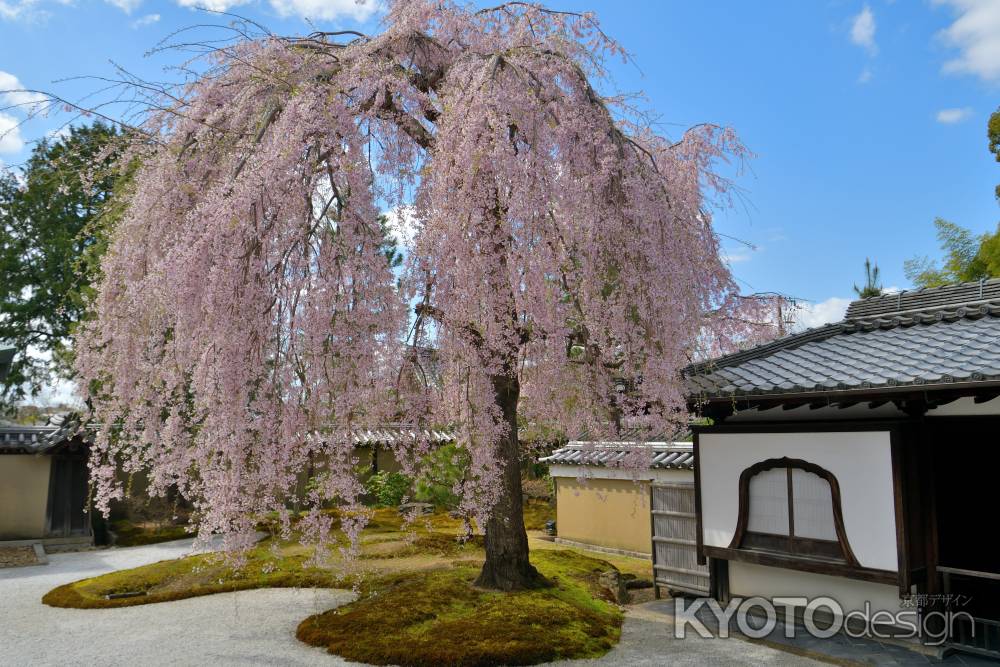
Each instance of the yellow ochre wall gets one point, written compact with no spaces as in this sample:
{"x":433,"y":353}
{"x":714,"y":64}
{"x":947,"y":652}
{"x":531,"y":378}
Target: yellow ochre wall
{"x":605,"y":512}
{"x":24,"y":495}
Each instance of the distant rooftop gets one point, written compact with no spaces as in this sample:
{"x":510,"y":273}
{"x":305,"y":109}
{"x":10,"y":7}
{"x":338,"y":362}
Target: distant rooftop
{"x":929,"y":298}
{"x":38,"y":439}
{"x":922,"y":338}
{"x":676,"y":455}
{"x":392,"y":434}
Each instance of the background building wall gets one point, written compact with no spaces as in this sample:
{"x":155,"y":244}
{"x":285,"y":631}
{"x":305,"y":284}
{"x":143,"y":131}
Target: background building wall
{"x":605,"y":512}
{"x":608,"y":506}
{"x":24,"y":495}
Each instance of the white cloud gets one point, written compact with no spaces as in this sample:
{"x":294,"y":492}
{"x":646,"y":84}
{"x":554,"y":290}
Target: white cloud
{"x":59,"y":393}
{"x":12,"y":93}
{"x":817,"y":314}
{"x":9,"y":12}
{"x":148,"y":19}
{"x":737,"y":256}
{"x":20,"y":9}
{"x":403,"y":226}
{"x":863,"y":30}
{"x":212,"y":5}
{"x":58,"y":134}
{"x":952,"y":116}
{"x":327,"y":10}
{"x":127,"y":6}
{"x":976,"y":34}
{"x":55,"y":393}
{"x":10,"y":134}
{"x":866,"y":75}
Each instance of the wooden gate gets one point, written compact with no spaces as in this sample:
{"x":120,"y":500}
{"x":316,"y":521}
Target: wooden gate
{"x":675,"y":557}
{"x":66,"y":515}
{"x":974,"y":626}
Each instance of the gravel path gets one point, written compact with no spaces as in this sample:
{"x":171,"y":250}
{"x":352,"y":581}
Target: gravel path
{"x":243,"y":628}
{"x":254,"y":627}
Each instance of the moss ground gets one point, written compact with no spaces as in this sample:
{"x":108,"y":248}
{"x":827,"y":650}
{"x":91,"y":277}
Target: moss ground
{"x":537,"y":512}
{"x":438,"y":617}
{"x":137,"y":534}
{"x":268,"y":566}
{"x":638,"y":567}
{"x":416,"y":605}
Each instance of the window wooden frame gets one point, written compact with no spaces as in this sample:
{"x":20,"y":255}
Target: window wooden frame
{"x":792,"y":546}
{"x":899,"y":433}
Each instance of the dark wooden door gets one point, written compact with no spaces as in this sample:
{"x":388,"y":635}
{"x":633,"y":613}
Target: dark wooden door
{"x":68,"y":497}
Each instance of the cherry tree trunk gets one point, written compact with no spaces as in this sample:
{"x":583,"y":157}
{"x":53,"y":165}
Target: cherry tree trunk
{"x":507,"y":567}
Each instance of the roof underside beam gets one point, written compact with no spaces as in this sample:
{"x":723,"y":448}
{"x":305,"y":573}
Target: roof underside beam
{"x":907,"y":401}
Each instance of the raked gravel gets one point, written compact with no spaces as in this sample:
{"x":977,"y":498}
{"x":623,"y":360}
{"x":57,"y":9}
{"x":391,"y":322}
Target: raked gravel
{"x":254,"y":627}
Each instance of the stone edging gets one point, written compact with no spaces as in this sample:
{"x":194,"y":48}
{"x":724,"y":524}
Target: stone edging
{"x":603,"y":550}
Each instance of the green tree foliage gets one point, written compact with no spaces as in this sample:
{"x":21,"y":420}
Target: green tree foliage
{"x":50,"y":237}
{"x":872,"y":286}
{"x":388,"y":488}
{"x":389,"y":247}
{"x":967,"y":258}
{"x":443,"y":470}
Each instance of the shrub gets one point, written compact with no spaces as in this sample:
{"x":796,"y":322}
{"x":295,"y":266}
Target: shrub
{"x":442,"y":470}
{"x":388,"y":488}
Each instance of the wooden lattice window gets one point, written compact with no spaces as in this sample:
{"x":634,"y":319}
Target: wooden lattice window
{"x":792,"y":507}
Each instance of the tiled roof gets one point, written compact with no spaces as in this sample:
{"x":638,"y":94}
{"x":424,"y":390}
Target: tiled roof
{"x":18,"y":439}
{"x":21,"y":439}
{"x":393,"y":434}
{"x":944,"y":336}
{"x":678,"y":455}
{"x":923,"y":299}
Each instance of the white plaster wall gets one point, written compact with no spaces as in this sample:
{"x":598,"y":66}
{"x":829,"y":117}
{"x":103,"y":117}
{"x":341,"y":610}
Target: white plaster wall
{"x":966,"y":407}
{"x":861,"y":462}
{"x":748,"y":580}
{"x":602,"y":472}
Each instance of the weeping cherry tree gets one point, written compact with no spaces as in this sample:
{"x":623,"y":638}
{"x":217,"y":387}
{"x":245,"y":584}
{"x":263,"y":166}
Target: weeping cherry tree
{"x":563,"y":270}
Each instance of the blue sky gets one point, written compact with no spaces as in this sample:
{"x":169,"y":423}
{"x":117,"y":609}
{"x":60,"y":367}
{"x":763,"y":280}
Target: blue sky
{"x":867,"y":119}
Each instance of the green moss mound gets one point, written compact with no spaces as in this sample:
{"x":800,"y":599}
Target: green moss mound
{"x":438,"y":617}
{"x":129,"y":534}
{"x":194,"y":576}
{"x":434,"y":545}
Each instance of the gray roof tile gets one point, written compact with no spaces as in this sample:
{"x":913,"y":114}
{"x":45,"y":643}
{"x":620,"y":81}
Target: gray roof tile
{"x":673,"y":455}
{"x":938,"y":339}
{"x":21,"y":439}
